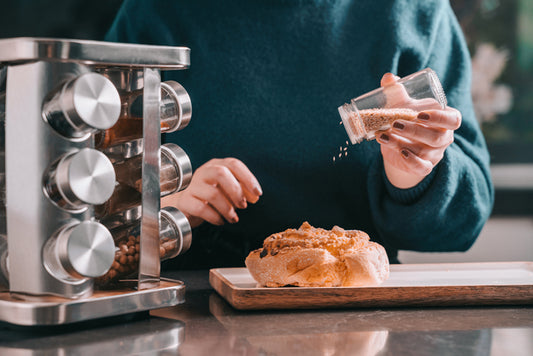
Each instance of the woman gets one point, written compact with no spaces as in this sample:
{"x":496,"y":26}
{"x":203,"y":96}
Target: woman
{"x":265,"y":80}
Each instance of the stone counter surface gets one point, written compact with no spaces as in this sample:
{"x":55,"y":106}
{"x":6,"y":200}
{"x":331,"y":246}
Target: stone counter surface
{"x":207,"y":325}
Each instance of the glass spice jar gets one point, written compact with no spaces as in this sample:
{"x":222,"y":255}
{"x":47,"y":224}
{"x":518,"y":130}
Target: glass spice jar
{"x":374,"y":111}
{"x":174,"y":239}
{"x":175,"y":173}
{"x":175,"y":114}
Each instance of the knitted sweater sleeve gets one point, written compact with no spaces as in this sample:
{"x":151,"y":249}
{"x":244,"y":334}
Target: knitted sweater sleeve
{"x":447,"y":210}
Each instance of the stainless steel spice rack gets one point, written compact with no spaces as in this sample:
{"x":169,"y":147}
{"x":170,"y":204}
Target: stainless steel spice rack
{"x":56,"y":253}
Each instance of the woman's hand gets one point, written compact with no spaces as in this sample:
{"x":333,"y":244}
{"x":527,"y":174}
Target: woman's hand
{"x":217,"y":189}
{"x":411,"y":149}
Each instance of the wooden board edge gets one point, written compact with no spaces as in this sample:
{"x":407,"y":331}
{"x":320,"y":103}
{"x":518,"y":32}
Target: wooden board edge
{"x":295,"y":298}
{"x":397,"y":297}
{"x":371,"y":297}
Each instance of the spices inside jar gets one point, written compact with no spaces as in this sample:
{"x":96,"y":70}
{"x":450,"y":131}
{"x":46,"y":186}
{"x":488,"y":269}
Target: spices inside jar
{"x":174,"y":111}
{"x":174,"y":239}
{"x":365,"y":123}
{"x":127,"y":255}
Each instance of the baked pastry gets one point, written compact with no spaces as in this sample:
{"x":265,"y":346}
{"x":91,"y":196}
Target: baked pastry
{"x":315,"y":257}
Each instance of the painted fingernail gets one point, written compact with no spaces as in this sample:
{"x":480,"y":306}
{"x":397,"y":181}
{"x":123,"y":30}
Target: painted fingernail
{"x":384,"y":138}
{"x":398,"y":125}
{"x":423,"y":116}
{"x":404,"y":153}
{"x":257,"y":190}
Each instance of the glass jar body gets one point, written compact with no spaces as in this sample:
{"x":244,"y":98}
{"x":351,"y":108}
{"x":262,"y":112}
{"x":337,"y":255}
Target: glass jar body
{"x":363,"y":116}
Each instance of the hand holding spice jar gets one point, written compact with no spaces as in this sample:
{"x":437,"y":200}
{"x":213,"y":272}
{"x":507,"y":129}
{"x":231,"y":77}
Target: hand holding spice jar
{"x":411,"y":121}
{"x":396,"y":99}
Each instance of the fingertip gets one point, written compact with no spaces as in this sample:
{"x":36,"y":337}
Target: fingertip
{"x":257,"y":190}
{"x":383,"y":138}
{"x":243,"y":204}
{"x":253,"y":199}
{"x":424,"y":116}
{"x":419,"y":166}
{"x":389,"y":79}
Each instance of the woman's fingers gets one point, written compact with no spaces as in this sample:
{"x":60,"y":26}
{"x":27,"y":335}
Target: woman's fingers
{"x":221,"y":177}
{"x":250,"y":197}
{"x":217,"y":189}
{"x":427,"y":137}
{"x":416,"y":164}
{"x":202,"y":210}
{"x":235,"y":179}
{"x":411,"y":149}
{"x":399,"y":143}
{"x":431,"y":136}
{"x":244,"y":176}
{"x":216,"y":198}
{"x":448,"y":119}
{"x":196,"y":210}
{"x":405,"y":160}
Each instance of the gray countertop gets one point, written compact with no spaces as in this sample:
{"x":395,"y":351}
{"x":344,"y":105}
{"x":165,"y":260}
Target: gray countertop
{"x":206,"y":325}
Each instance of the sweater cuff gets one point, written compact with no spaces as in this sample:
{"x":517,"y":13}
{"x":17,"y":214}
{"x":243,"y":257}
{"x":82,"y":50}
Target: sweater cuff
{"x":409,"y":195}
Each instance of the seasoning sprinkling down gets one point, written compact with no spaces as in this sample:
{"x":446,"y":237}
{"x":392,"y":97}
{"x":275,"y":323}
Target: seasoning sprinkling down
{"x":343,"y":151}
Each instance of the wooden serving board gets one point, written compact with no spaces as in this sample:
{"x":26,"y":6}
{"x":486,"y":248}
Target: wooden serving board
{"x":443,"y":284}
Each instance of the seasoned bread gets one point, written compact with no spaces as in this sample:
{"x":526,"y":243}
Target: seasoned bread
{"x":315,"y":257}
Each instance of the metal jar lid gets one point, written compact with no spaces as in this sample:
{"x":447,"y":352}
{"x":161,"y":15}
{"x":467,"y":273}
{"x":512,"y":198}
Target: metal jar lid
{"x":182,"y":163}
{"x":175,"y":102}
{"x":85,"y":104}
{"x":80,"y":178}
{"x":86,"y":249}
{"x":180,"y":225}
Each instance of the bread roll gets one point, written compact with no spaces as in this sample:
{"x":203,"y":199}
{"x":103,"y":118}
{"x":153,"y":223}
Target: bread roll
{"x":314,"y":257}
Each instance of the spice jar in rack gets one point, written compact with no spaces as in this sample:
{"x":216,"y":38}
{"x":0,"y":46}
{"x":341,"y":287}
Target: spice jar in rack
{"x":175,"y":175}
{"x":176,"y":170}
{"x":82,"y":106}
{"x":378,"y":109}
{"x":174,"y":239}
{"x":175,"y":114}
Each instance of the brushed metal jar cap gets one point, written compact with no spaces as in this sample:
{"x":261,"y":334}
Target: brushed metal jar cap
{"x":86,"y":177}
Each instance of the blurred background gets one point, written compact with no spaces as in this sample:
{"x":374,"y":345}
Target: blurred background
{"x":500,"y":37}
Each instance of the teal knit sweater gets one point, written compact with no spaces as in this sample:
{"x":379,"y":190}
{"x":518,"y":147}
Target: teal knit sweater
{"x":266,"y":79}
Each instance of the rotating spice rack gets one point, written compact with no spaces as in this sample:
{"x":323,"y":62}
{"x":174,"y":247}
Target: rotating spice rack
{"x":57,"y":97}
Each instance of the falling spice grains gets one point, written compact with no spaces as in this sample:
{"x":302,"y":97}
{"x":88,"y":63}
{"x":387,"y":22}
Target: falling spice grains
{"x":343,"y":151}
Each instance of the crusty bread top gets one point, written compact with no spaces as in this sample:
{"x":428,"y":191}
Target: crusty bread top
{"x":336,"y":241}
{"x":315,"y":257}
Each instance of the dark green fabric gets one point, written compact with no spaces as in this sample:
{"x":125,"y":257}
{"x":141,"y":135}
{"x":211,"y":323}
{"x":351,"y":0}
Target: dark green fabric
{"x":266,"y":79}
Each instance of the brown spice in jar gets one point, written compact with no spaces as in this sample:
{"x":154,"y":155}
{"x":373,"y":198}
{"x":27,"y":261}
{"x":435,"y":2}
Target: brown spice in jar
{"x":127,"y":259}
{"x":381,"y":119}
